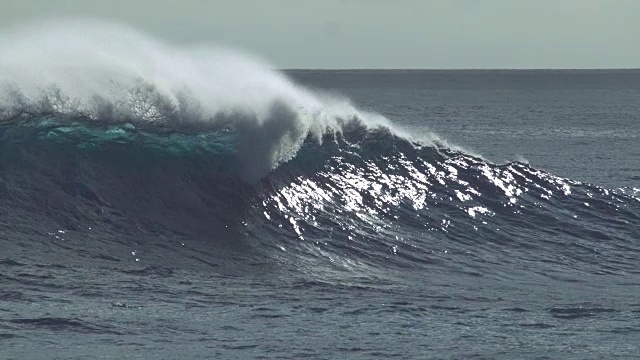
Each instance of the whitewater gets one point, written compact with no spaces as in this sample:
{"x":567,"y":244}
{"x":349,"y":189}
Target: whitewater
{"x":108,"y":73}
{"x":164,"y":201}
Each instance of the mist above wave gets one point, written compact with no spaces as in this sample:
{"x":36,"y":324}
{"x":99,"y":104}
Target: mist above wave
{"x":104,"y":72}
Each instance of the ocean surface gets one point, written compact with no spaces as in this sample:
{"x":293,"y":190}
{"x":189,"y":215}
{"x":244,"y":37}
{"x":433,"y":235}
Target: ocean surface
{"x":220,"y":209}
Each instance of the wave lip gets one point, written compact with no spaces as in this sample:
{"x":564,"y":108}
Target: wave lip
{"x":107,"y":73}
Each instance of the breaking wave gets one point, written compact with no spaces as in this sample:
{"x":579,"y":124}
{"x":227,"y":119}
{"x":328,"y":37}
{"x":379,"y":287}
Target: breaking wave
{"x":117,"y":148}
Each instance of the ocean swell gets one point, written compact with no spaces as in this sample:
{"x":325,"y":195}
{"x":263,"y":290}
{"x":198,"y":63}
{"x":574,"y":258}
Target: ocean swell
{"x":119,"y":149}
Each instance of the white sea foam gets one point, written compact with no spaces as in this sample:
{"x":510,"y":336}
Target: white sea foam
{"x":108,"y":72}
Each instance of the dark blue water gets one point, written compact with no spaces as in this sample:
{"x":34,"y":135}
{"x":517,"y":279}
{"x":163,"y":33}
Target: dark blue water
{"x":513,"y":233}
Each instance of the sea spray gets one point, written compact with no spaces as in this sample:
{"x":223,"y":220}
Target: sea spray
{"x":109,"y":73}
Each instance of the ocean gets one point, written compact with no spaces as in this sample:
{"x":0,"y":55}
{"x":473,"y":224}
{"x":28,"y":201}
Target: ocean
{"x":220,"y":209}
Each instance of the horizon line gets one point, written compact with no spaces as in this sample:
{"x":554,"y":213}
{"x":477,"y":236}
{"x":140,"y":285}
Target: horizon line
{"x":458,"y":69}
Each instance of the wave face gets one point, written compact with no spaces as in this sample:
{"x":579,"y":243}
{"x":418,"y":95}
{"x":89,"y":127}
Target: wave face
{"x":361,"y":200}
{"x":135,"y":152}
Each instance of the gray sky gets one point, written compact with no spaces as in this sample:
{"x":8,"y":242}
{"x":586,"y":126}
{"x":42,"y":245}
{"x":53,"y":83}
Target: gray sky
{"x":382,"y":33}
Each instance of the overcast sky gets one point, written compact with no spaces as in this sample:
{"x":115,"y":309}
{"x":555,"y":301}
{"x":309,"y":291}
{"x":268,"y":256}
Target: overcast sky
{"x":381,"y":33}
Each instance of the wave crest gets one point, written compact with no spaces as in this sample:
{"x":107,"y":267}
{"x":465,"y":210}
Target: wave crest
{"x":100,"y":72}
